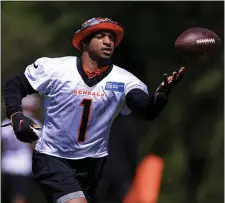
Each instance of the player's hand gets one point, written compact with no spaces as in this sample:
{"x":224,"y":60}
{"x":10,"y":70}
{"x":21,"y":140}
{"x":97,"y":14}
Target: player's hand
{"x":22,"y":127}
{"x":168,"y":83}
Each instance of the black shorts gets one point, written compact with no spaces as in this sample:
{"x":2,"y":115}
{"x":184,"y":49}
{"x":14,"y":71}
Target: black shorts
{"x":15,"y":185}
{"x":63,"y":179}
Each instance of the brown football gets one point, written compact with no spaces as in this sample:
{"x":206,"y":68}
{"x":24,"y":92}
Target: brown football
{"x":197,"y":41}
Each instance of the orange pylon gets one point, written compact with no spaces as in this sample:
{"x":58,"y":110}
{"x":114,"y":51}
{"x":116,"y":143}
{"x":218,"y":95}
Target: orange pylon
{"x":146,"y":184}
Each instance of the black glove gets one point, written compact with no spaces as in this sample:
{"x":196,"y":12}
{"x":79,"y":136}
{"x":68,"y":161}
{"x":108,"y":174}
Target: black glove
{"x":162,"y":92}
{"x":22,"y":127}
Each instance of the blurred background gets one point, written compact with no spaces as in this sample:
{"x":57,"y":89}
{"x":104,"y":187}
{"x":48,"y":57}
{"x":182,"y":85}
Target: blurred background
{"x":188,"y":134}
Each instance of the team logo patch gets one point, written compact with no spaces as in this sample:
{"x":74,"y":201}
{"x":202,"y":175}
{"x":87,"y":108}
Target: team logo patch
{"x":115,"y":86}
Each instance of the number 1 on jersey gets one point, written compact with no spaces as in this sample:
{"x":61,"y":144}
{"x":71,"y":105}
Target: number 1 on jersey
{"x":86,"y":103}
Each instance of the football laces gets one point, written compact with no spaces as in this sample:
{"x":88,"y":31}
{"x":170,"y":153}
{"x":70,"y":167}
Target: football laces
{"x":206,"y":41}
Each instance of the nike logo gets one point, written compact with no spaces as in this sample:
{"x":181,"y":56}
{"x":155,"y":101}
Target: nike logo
{"x":35,"y":66}
{"x":21,"y":122}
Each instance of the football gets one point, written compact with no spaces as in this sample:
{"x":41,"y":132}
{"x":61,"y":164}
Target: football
{"x":197,"y":41}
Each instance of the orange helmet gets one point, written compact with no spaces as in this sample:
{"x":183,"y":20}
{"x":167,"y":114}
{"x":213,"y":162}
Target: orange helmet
{"x":97,"y":24}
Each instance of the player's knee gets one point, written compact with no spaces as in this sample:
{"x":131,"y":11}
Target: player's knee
{"x":77,"y":200}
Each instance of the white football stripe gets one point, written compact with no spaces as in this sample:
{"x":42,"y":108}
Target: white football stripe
{"x":205,"y":41}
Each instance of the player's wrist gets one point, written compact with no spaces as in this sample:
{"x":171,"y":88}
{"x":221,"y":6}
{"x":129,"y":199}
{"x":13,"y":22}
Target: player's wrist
{"x":160,"y":98}
{"x":163,"y":90}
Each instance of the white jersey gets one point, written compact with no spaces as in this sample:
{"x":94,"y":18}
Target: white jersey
{"x":16,"y":155}
{"x":78,"y":112}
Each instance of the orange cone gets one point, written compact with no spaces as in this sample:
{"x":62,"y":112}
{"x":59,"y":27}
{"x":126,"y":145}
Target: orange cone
{"x":146,"y":184}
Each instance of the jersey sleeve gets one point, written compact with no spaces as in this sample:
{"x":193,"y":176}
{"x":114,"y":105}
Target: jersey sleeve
{"x":135,"y":83}
{"x":39,"y":75}
{"x":132,"y":83}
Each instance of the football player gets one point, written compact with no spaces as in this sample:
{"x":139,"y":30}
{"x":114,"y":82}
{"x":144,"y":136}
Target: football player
{"x":82,"y":96}
{"x":17,"y":157}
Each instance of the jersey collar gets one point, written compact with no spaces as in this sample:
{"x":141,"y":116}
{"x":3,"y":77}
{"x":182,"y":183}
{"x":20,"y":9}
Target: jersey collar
{"x":95,"y":80}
